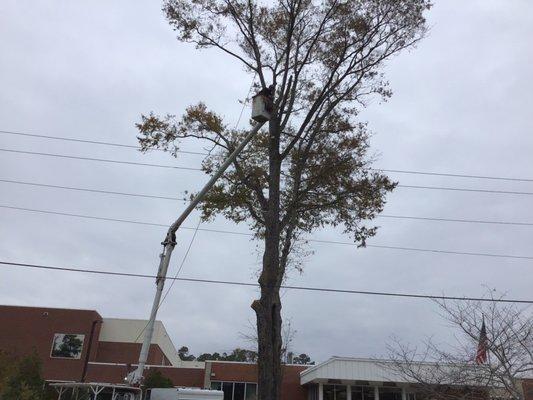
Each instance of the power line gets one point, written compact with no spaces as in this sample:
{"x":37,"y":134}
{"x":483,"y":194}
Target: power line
{"x":129,"y":146}
{"x":250,"y":284}
{"x":439,"y":219}
{"x":199,"y":169}
{"x":91,"y":190}
{"x":35,"y":153}
{"x":84,"y":216}
{"x":461,"y":220}
{"x":397,"y":171}
{"x":463,"y":253}
{"x":465,"y":189}
{"x":402,"y":248}
{"x":500,"y":178}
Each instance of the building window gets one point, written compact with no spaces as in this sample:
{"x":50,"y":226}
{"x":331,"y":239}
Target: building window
{"x":334,"y":392}
{"x":312,"y":392}
{"x":390,"y":393}
{"x":66,"y":345}
{"x":363,"y":393}
{"x":236,"y":390}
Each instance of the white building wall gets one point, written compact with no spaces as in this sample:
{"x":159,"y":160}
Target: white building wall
{"x":127,"y":331}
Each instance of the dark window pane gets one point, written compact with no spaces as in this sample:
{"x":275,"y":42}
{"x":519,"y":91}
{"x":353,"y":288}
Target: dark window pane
{"x":251,"y":391}
{"x":227,"y":388}
{"x":357,"y":393}
{"x":340,"y":392}
{"x":312,"y":393}
{"x":215,"y":385}
{"x":329,"y":392}
{"x":368,"y":392}
{"x":390,"y":393}
{"x":363,"y":393}
{"x":238,"y":391}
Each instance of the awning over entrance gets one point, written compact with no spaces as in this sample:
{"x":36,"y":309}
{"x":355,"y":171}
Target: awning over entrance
{"x":342,"y":378}
{"x":355,"y":379}
{"x":350,"y":370}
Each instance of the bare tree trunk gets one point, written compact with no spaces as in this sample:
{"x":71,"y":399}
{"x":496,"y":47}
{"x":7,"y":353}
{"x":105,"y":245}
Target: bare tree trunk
{"x":268,"y":307}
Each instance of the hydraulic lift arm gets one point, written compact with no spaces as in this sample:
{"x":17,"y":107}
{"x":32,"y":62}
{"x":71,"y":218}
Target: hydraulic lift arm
{"x":136,"y":376}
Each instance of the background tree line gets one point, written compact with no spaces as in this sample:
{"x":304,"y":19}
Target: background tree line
{"x":238,"y":354}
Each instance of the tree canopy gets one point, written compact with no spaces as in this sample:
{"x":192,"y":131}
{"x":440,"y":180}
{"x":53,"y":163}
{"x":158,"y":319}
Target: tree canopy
{"x":155,"y":379}
{"x":20,"y":378}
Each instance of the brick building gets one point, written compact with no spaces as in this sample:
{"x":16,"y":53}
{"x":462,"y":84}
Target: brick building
{"x":81,"y":346}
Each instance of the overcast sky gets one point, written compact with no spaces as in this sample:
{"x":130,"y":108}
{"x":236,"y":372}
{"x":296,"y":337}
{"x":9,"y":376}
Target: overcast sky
{"x":462,"y":104}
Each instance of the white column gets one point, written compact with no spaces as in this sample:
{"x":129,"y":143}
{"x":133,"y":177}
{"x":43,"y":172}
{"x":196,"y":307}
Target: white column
{"x":376,"y":393}
{"x":348,"y":392}
{"x":320,"y":391}
{"x":404,"y":393}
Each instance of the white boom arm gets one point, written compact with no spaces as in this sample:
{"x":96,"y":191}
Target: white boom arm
{"x":136,"y":376}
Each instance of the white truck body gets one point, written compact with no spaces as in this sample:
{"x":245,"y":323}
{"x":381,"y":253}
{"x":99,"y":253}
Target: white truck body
{"x":185,"y":394}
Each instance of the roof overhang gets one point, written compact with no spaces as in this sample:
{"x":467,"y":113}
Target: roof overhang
{"x":349,"y":370}
{"x":359,"y":371}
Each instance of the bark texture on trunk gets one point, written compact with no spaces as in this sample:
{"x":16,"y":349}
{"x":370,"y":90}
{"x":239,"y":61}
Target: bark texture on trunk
{"x":268,"y":307}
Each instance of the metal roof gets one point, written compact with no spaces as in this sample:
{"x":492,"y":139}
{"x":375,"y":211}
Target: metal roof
{"x":350,"y":369}
{"x":376,"y":370}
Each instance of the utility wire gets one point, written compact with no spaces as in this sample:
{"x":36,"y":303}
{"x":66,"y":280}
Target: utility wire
{"x":462,"y":220}
{"x":35,"y":153}
{"x":91,"y":190}
{"x":248,"y":234}
{"x":411,"y":172}
{"x":199,"y":169}
{"x":396,"y":171}
{"x":129,"y":146}
{"x":465,"y":189}
{"x":182,"y":199}
{"x":250,"y":284}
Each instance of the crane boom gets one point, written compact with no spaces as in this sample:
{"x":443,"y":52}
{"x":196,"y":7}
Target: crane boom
{"x":136,"y":376}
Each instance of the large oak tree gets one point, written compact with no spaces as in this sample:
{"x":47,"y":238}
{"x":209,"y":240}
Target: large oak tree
{"x":310,"y":168}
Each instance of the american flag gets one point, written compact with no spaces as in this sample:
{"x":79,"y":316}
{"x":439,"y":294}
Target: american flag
{"x":482,"y":346}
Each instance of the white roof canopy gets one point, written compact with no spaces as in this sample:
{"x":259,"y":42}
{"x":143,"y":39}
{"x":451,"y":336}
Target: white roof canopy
{"x":353,"y":370}
{"x":350,"y":369}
